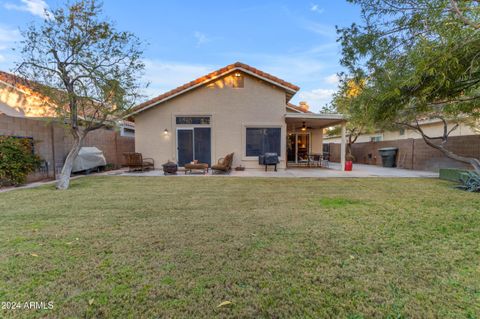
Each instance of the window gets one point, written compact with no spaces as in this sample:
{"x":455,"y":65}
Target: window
{"x":193,"y":120}
{"x":127,"y":132}
{"x":402,"y":131}
{"x":237,"y":82}
{"x":263,"y":140}
{"x":375,"y":138}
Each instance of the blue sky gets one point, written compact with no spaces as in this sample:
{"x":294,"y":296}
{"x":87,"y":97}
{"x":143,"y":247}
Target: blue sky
{"x":294,"y":40}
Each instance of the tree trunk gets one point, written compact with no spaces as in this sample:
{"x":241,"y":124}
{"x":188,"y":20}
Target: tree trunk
{"x":467,"y":160}
{"x":349,"y":151}
{"x":64,"y":180}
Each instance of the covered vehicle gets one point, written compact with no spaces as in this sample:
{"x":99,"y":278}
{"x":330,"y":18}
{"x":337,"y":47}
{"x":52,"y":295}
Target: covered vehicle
{"x":88,"y":158}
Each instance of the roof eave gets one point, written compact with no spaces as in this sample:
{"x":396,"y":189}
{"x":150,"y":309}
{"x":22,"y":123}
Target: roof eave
{"x":334,"y":116}
{"x":290,"y":92}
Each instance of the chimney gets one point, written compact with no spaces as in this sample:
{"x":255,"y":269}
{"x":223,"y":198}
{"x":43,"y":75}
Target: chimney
{"x":304,"y":105}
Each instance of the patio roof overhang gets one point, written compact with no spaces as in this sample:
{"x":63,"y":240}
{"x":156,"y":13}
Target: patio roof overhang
{"x":295,"y":120}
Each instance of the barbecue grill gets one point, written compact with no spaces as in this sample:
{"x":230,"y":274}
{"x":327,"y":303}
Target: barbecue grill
{"x":268,"y":159}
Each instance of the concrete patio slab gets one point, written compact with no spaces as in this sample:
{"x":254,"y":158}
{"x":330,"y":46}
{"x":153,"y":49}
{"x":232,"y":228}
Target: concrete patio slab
{"x":359,"y":170}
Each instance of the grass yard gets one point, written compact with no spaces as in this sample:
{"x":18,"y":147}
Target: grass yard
{"x":140,"y":247}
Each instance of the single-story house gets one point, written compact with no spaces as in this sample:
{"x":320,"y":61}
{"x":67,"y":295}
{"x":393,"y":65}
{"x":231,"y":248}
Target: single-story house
{"x":237,"y":109}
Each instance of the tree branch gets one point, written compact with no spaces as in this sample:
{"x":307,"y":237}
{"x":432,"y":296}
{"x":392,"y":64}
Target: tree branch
{"x":459,"y":13}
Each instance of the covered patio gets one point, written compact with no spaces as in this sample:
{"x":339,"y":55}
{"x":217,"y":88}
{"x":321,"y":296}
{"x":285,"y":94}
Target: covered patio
{"x":305,"y":138}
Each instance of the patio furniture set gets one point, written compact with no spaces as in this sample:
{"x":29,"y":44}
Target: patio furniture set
{"x":313,"y":160}
{"x":135,"y":162}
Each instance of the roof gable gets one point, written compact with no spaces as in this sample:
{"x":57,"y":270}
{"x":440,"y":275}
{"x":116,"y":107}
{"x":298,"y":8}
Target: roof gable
{"x":290,"y":89}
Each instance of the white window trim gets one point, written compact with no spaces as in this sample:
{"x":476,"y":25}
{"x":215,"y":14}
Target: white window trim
{"x":176,"y":126}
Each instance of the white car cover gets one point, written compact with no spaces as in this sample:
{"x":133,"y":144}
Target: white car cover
{"x":87,"y":158}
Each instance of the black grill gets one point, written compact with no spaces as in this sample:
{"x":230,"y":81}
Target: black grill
{"x":268,"y":159}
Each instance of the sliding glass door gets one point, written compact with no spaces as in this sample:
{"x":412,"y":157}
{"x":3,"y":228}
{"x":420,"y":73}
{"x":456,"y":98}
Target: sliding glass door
{"x":298,"y":147}
{"x":194,"y":144}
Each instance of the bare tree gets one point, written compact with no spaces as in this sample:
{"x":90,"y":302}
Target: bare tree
{"x":86,"y":68}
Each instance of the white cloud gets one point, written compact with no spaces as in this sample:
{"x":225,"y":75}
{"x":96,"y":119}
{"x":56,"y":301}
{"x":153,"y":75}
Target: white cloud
{"x":320,"y":29}
{"x":8,"y":36}
{"x":316,"y":8}
{"x":164,"y":75}
{"x":316,"y":98}
{"x":35,"y":7}
{"x":331,"y":79}
{"x":202,"y":38}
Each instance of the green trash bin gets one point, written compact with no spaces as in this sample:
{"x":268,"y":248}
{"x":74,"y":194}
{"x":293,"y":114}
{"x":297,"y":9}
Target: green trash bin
{"x":389,"y":156}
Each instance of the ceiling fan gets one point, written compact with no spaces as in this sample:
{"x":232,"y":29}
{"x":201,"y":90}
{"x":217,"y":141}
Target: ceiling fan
{"x":304,"y":127}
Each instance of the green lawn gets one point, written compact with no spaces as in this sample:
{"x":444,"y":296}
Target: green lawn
{"x":140,"y":247}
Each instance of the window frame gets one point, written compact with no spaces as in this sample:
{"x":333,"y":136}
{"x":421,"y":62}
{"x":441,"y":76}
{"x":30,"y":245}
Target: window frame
{"x":262,"y":126}
{"x":193,"y":116}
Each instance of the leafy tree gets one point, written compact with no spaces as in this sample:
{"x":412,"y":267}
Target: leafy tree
{"x":420,"y":60}
{"x":345,"y":101}
{"x":88,"y":70}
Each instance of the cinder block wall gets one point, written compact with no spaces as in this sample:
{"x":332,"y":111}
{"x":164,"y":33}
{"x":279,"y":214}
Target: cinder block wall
{"x":53,"y":141}
{"x":414,"y":153}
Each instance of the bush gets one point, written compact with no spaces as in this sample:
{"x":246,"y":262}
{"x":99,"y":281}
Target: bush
{"x":452,"y":174}
{"x":16,"y":160}
{"x":470,"y":181}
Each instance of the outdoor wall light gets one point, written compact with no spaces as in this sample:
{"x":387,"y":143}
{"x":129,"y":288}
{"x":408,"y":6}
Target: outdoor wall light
{"x":304,"y":128}
{"x":165,"y":131}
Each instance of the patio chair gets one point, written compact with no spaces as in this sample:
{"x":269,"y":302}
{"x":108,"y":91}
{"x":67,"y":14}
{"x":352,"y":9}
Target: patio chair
{"x":314,"y":160}
{"x":303,"y":160}
{"x":325,"y":160}
{"x":136,"y":162}
{"x":224,"y":164}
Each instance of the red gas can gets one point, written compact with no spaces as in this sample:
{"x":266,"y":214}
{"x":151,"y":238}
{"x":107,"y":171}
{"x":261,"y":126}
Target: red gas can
{"x":348,"y":165}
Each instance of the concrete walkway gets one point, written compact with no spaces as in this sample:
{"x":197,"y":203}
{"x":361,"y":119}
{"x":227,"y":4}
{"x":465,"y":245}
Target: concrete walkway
{"x":359,"y":170}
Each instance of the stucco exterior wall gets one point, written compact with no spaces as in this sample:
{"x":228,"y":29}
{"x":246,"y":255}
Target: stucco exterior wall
{"x":317,"y":141}
{"x":232,"y":110}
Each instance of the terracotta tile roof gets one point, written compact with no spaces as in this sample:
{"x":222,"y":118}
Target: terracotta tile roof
{"x":214,"y":75}
{"x":34,"y":89}
{"x":298,"y":108}
{"x":16,"y":81}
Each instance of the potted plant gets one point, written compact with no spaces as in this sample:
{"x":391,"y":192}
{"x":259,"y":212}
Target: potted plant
{"x":349,"y":162}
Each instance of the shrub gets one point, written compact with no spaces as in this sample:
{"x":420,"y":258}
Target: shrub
{"x":470,"y":181}
{"x":452,"y":174}
{"x":16,"y":160}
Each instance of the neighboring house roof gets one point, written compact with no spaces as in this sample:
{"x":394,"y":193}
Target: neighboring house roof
{"x":291,"y":89}
{"x":19,"y":82}
{"x":29,"y":102}
{"x":10,"y":111}
{"x":297,"y":108}
{"x":13,"y":79}
{"x":35,"y":104}
{"x":125,"y":123}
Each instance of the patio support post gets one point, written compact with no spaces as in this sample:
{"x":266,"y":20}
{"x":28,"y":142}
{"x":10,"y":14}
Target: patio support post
{"x":343,"y":146}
